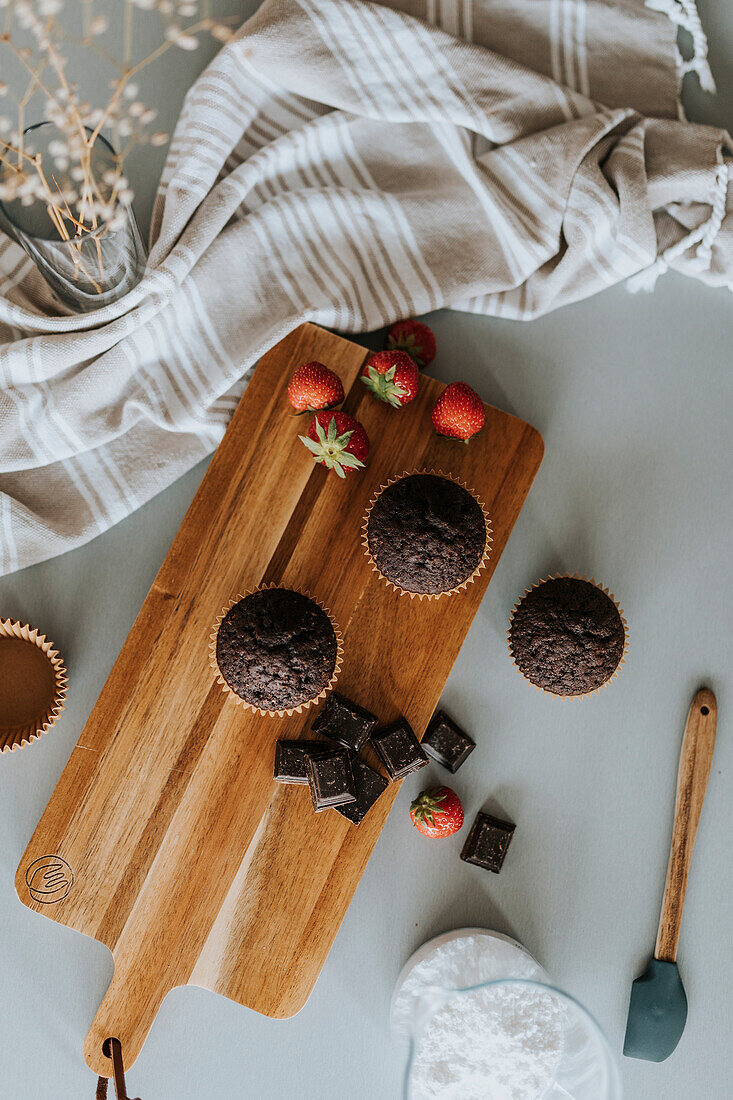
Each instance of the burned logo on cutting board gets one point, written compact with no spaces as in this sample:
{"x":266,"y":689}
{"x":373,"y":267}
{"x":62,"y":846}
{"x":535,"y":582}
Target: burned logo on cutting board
{"x":49,"y":879}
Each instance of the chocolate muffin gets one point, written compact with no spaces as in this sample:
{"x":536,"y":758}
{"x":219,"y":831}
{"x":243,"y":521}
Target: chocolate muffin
{"x":426,"y":534}
{"x":567,"y":636}
{"x":276,"y":649}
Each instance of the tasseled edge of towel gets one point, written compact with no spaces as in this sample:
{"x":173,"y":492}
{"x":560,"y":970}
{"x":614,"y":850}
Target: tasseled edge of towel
{"x":704,"y":237}
{"x":684,"y":14}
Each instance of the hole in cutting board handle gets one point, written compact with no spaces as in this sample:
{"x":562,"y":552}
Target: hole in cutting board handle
{"x":107,"y":1047}
{"x":704,"y":710}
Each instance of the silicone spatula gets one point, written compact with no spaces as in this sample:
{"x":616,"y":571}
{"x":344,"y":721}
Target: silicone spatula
{"x":658,"y":1006}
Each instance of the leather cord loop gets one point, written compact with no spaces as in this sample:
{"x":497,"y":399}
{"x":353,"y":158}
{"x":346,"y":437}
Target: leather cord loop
{"x":113,"y":1049}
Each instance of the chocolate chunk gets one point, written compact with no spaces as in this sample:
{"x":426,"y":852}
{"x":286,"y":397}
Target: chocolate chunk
{"x":369,"y":786}
{"x":446,"y":742}
{"x":330,"y":778}
{"x":398,"y":749}
{"x":344,"y":722}
{"x":290,"y":758}
{"x":487,"y":843}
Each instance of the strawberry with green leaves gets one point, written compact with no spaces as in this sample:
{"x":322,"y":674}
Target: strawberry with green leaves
{"x":313,"y":386}
{"x":337,"y":441}
{"x":415,"y":338}
{"x":391,"y":376}
{"x":437,"y":812}
{"x":459,"y":412}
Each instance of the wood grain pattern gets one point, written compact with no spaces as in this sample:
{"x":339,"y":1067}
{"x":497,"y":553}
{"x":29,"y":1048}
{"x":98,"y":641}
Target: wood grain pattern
{"x":166,"y":813}
{"x":696,"y":759}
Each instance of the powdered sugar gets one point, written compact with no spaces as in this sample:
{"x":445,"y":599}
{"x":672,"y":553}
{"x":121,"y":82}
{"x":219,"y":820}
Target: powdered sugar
{"x":496,"y":1043}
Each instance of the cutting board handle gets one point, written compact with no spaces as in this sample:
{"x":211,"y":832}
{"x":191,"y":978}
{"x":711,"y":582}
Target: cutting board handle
{"x":127,"y":1013}
{"x":696,"y":758}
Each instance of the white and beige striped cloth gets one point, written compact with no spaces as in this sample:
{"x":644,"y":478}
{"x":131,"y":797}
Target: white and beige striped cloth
{"x":350,"y":164}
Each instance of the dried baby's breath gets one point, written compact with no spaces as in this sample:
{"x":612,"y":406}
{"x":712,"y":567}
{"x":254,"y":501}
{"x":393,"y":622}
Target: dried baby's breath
{"x":35,"y":35}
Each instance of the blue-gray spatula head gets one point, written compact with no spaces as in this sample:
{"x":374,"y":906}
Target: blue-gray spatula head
{"x":657,"y":1013}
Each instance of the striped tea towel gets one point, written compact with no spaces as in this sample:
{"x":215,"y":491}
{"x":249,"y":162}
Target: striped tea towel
{"x":353,"y":163}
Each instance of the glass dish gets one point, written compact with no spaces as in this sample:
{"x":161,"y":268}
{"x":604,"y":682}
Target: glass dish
{"x":579,"y":1065}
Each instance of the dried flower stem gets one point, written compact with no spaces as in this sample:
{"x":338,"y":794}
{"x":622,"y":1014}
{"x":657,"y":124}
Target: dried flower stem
{"x":127,"y":48}
{"x":203,"y":24}
{"x":90,"y":195}
{"x":74,"y":246}
{"x":36,"y":76}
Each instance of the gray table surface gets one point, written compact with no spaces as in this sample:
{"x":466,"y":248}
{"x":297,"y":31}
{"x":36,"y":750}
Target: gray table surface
{"x":633,"y":397}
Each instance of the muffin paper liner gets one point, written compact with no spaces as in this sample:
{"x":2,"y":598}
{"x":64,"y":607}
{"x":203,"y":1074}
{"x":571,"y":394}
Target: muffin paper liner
{"x":15,"y":737}
{"x":427,"y":595}
{"x":622,"y":660}
{"x":243,"y":702}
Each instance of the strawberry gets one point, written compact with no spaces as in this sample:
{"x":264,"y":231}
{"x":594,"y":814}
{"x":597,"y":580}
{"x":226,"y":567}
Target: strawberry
{"x":437,"y":812}
{"x":392,"y":377}
{"x":337,"y":441}
{"x":313,"y":387}
{"x":458,"y":412}
{"x":415,"y":338}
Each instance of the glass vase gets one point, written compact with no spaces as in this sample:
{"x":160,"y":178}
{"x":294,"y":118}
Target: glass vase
{"x":85,"y":270}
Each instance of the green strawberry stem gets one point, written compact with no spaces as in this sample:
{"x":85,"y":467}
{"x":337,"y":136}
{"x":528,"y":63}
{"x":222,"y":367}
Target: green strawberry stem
{"x":427,"y":804}
{"x":406,"y":343}
{"x":331,"y":449}
{"x":384,"y":387}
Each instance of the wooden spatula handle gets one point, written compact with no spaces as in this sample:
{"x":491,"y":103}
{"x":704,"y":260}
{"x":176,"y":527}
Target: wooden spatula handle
{"x":695,"y":760}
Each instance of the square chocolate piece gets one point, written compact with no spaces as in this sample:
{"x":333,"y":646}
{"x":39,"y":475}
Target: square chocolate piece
{"x":398,"y":749}
{"x":369,"y":786}
{"x":344,"y":722}
{"x":290,"y":758}
{"x":446,"y":742}
{"x":487,"y":843}
{"x":330,"y":778}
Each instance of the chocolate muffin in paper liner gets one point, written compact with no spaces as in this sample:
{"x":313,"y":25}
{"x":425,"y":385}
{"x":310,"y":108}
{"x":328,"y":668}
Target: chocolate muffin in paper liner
{"x":276,"y":650}
{"x":426,"y":534}
{"x":568,"y":636}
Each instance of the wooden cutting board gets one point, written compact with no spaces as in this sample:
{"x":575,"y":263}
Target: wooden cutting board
{"x":166,"y":838}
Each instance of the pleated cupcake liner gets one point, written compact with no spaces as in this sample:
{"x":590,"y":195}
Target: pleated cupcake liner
{"x":607,"y":592}
{"x":17,"y":736}
{"x":238,"y":698}
{"x":427,"y":595}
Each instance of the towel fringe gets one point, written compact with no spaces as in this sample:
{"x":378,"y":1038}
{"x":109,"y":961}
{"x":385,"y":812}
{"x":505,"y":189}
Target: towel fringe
{"x":703,"y":236}
{"x":684,"y":14}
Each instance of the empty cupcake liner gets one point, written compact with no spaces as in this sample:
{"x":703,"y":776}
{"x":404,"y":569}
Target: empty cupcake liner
{"x":607,"y":592}
{"x":15,"y":734}
{"x":427,"y":595}
{"x":243,"y":702}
